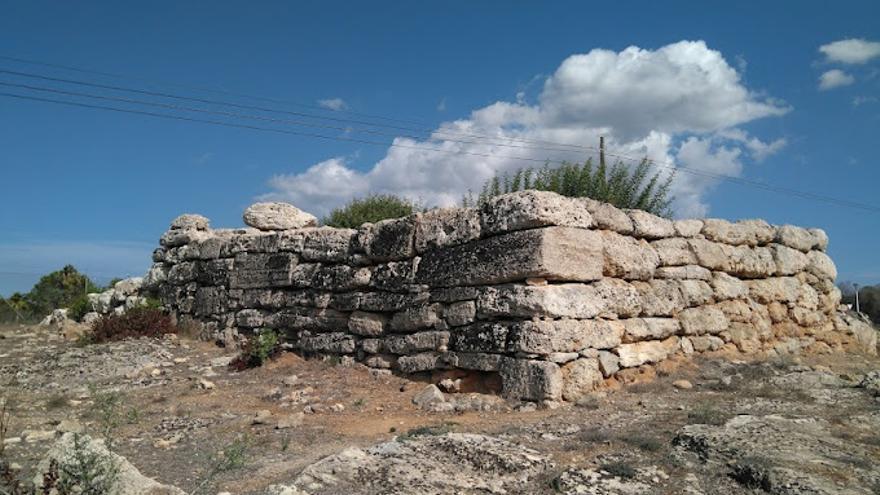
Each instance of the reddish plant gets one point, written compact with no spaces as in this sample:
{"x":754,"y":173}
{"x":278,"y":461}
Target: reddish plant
{"x":136,"y":322}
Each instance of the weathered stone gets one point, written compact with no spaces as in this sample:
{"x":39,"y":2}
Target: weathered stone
{"x":548,"y":336}
{"x":333,"y":342}
{"x":183,"y":273}
{"x":251,"y":242}
{"x":795,"y":237}
{"x":703,"y":320}
{"x":608,"y":217}
{"x":674,"y":251}
{"x":389,"y":240}
{"x":709,"y":254}
{"x":530,"y":380}
{"x":460,"y":313}
{"x":688,"y":228}
{"x":609,"y":363}
{"x":788,"y":261}
{"x":650,"y":351}
{"x":340,"y":277}
{"x":660,"y":297}
{"x":476,"y":361}
{"x":706,"y":343}
{"x":250,"y":318}
{"x":820,"y":238}
{"x":638,"y":329}
{"x":628,"y":258}
{"x":552,"y":253}
{"x":327,"y":244}
{"x":395,"y":276}
{"x":531,"y":209}
{"x":421,"y":362}
{"x":526,"y":301}
{"x":314,"y":319}
{"x":428,"y":396}
{"x":650,"y":226}
{"x":385,"y":301}
{"x":368,"y":324}
{"x":481,"y":337}
{"x":446,"y":227}
{"x":454,"y":294}
{"x":190,"y":221}
{"x":775,"y":289}
{"x":373,"y":346}
{"x":749,"y":262}
{"x":691,"y":272}
{"x":744,"y":232}
{"x":579,"y":378}
{"x":277,"y":216}
{"x":420,"y":341}
{"x":262,"y":270}
{"x":417,"y":318}
{"x":617,"y":298}
{"x":820,"y":265}
{"x":727,"y":287}
{"x":695,"y":292}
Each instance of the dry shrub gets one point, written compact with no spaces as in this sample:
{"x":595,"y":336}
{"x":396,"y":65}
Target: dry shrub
{"x":137,"y":322}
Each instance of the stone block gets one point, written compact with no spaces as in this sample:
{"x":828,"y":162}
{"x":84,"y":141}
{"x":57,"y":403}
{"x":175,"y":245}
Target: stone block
{"x":608,"y":217}
{"x":531,"y":209}
{"x":650,"y":351}
{"x":327,"y":244}
{"x":674,"y":251}
{"x":660,"y":297}
{"x":703,"y":320}
{"x":395,"y":276}
{"x":545,"y":337}
{"x":609,"y":363}
{"x":389,"y":240}
{"x":332,"y":343}
{"x":444,"y":227}
{"x":416,"y":318}
{"x":482,"y":337}
{"x":617,"y":299}
{"x":820,"y":265}
{"x":689,"y":272}
{"x":527,"y":301}
{"x":262,"y":270}
{"x":628,"y":258}
{"x":744,"y":232}
{"x":460,"y":313}
{"x":415,"y":342}
{"x":425,"y":361}
{"x":552,"y":253}
{"x":475,"y":361}
{"x":579,"y":378}
{"x":727,"y":287}
{"x":796,"y":238}
{"x":687,"y":228}
{"x":650,"y":226}
{"x":638,"y":329}
{"x":340,"y":277}
{"x":774,"y":289}
{"x":368,"y":324}
{"x":530,"y":380}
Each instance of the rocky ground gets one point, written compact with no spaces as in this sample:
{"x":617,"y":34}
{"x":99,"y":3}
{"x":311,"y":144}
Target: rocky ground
{"x":807,"y":425}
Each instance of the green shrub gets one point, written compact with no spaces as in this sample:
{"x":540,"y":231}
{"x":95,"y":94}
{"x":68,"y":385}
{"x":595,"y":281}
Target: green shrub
{"x":617,"y":184}
{"x":257,"y":350}
{"x":370,"y":209}
{"x":134,"y":323}
{"x":78,"y":308}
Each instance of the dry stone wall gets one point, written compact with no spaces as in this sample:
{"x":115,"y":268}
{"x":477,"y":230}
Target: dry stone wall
{"x":554,"y":295}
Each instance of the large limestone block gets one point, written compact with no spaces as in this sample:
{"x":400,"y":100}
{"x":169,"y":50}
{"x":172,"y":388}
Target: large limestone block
{"x":579,"y":378}
{"x":552,"y":253}
{"x":749,"y":262}
{"x":638,"y":329}
{"x":340,"y":277}
{"x":420,"y":341}
{"x":617,"y":298}
{"x":252,"y":241}
{"x":327,"y":244}
{"x":446,"y":227}
{"x":262,"y":270}
{"x":180,"y":237}
{"x":333,"y":342}
{"x":389,"y":240}
{"x":788,"y":261}
{"x":531,"y":209}
{"x":628,"y":258}
{"x":525,"y":379}
{"x":686,"y":272}
{"x":424,"y":361}
{"x":820,"y":265}
{"x":728,"y":287}
{"x":695,"y":292}
{"x":368,"y":324}
{"x":527,"y":301}
{"x":650,"y":351}
{"x":774,"y":289}
{"x":416,"y":318}
{"x":660,"y":297}
{"x":675,"y":251}
{"x":566,"y":335}
{"x":796,"y":237}
{"x":688,"y":228}
{"x":481,"y":337}
{"x":649,"y":226}
{"x":277,"y":216}
{"x":744,"y":232}
{"x":608,"y":217}
{"x":703,"y":320}
{"x":709,"y":254}
{"x":190,"y":221}
{"x":820,"y":238}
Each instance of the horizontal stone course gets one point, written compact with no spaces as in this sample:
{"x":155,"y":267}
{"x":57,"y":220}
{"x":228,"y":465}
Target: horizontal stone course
{"x":553,"y":294}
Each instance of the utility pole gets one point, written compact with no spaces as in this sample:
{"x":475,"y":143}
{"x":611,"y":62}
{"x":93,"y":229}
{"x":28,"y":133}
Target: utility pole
{"x":602,"y":151}
{"x":856,"y":286}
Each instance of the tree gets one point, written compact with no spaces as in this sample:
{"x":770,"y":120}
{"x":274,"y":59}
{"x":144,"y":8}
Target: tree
{"x":370,"y":209}
{"x":58,"y":290}
{"x":617,"y":184}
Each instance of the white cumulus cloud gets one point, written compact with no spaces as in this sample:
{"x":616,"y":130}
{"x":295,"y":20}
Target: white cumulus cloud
{"x":333,"y":104}
{"x":851,"y":51}
{"x":682,"y":103}
{"x":834,"y":78}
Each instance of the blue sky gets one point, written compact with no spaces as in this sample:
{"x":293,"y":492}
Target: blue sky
{"x":741,"y":89}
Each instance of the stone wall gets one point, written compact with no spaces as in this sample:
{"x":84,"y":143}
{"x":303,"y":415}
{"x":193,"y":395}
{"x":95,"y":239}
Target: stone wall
{"x":554,"y":295}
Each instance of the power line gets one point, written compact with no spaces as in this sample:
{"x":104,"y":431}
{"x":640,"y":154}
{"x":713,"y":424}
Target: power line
{"x":668,"y":165}
{"x":273,"y":110}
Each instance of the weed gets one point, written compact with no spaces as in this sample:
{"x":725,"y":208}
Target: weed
{"x":5,"y":419}
{"x":257,"y":350}
{"x":752,"y":472}
{"x":285,"y":443}
{"x":643,"y":442}
{"x":619,"y":469}
{"x":707,"y":415}
{"x":57,"y":401}
{"x":233,"y":456}
{"x":87,"y":471}
{"x":107,"y":410}
{"x":430,"y":430}
{"x":359,"y":403}
{"x":588,"y":402}
{"x":594,"y":435}
{"x":135,"y":323}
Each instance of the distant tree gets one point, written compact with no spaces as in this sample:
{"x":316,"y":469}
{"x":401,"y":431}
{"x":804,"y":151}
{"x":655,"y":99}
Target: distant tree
{"x":59,"y":289}
{"x":618,"y":184}
{"x":16,"y":308}
{"x":370,"y":209}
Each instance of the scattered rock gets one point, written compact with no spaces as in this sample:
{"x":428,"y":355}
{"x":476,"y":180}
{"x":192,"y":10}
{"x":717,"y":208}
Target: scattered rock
{"x":428,"y":397}
{"x":277,"y":216}
{"x":682,"y":384}
{"x":290,"y":421}
{"x":261,"y":417}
